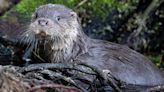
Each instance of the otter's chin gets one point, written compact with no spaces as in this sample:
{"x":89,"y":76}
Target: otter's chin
{"x":41,"y":35}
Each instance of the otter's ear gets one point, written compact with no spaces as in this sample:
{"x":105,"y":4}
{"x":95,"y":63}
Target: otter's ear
{"x":74,"y":15}
{"x":33,"y":15}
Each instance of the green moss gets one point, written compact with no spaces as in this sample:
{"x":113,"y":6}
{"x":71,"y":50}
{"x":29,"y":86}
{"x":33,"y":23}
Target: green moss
{"x":26,"y":7}
{"x":126,"y":6}
{"x":95,"y":7}
{"x":154,"y":58}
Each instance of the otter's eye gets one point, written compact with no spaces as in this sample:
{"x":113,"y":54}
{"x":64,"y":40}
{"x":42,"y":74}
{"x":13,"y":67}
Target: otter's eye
{"x":58,"y":18}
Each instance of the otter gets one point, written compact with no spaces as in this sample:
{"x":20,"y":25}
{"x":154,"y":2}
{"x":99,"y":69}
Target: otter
{"x":56,"y":35}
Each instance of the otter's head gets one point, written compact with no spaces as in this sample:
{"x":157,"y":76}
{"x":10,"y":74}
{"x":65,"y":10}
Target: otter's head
{"x":55,"y":23}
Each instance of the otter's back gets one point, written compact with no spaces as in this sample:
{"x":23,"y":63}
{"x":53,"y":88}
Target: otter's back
{"x":124,"y":63}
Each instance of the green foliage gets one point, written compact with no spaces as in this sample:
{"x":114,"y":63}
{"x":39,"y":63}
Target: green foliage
{"x":127,"y":5}
{"x":26,"y":7}
{"x":94,"y":7}
{"x":102,"y":8}
{"x":154,"y":58}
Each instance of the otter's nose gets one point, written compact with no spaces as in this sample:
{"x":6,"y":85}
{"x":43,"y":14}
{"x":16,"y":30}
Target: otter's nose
{"x":43,"y":22}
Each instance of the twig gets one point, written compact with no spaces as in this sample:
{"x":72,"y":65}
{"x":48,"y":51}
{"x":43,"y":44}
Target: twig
{"x":43,"y":66}
{"x":102,"y":77}
{"x":54,"y":75}
{"x":81,"y":3}
{"x":156,"y":88}
{"x":142,"y":20}
{"x":70,"y":89}
{"x":78,"y":67}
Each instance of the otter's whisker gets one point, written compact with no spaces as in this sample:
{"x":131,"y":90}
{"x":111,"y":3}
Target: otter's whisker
{"x":25,"y":38}
{"x":36,"y":44}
